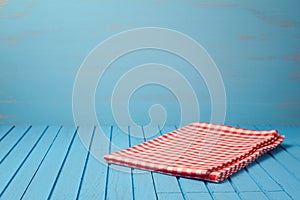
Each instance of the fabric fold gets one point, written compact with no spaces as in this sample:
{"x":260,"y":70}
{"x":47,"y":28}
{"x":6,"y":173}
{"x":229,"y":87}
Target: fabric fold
{"x":199,"y":150}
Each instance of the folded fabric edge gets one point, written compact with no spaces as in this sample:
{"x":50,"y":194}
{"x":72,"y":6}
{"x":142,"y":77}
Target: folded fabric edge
{"x":267,"y":142}
{"x":213,"y":176}
{"x":224,"y":173}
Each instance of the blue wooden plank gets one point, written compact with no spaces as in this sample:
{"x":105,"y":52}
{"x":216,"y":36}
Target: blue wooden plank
{"x":197,"y":196}
{"x":293,"y":150}
{"x":288,"y":161}
{"x":11,"y":141}
{"x":136,"y":136}
{"x":120,"y":139}
{"x":62,"y":165}
{"x":169,"y":196}
{"x":142,"y":180}
{"x":166,"y":183}
{"x":226,"y":196}
{"x":119,"y":185}
{"x":192,"y":185}
{"x":68,"y":184}
{"x":165,"y":130}
{"x":143,"y":185}
{"x":280,"y":175}
{"x":281,"y":170}
{"x":253,"y":195}
{"x":24,"y":176}
{"x":291,"y":141}
{"x":94,"y":180}
{"x":44,"y":179}
{"x":279,"y":195}
{"x":263,"y":178}
{"x":88,"y":146}
{"x":224,"y":186}
{"x":4,"y":131}
{"x":19,"y":155}
{"x":243,"y":182}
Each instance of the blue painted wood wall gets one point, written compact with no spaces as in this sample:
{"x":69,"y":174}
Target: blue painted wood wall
{"x":255,"y":44}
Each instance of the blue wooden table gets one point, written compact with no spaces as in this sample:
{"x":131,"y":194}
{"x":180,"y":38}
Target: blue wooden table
{"x":40,"y":162}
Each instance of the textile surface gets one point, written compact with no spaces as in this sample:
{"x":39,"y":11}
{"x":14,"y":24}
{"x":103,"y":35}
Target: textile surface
{"x":199,"y":150}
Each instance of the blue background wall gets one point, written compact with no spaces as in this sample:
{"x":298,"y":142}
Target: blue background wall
{"x":255,"y":44}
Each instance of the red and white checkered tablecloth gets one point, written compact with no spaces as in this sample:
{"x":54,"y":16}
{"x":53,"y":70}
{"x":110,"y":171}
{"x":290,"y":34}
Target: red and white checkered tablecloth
{"x":199,"y":150}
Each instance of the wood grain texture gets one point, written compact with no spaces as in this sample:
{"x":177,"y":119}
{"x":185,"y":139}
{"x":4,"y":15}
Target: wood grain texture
{"x":254,"y":45}
{"x":51,"y":162}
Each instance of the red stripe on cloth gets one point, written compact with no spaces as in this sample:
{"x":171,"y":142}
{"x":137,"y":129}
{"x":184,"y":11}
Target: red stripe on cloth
{"x":199,"y":150}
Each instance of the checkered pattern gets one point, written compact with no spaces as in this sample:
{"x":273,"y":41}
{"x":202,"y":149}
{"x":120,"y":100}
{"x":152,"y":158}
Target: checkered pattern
{"x":199,"y":150}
